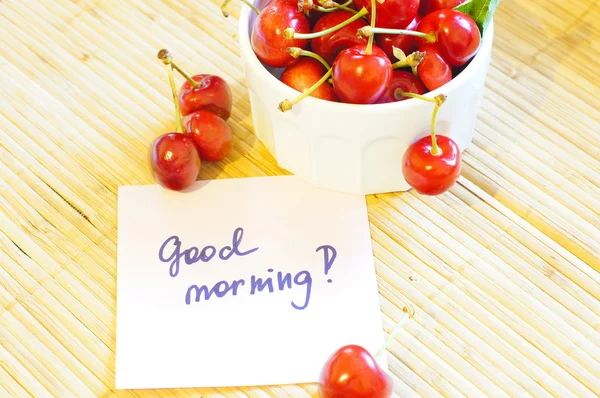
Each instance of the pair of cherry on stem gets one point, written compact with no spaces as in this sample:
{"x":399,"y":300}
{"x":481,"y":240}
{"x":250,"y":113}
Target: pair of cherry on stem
{"x":202,"y":106}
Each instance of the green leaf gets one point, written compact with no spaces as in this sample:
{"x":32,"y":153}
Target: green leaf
{"x":465,"y":7}
{"x":398,"y":53}
{"x":483,"y":15}
{"x":482,"y":11}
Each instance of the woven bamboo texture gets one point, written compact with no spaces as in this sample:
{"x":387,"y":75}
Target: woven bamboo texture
{"x":503,"y":270}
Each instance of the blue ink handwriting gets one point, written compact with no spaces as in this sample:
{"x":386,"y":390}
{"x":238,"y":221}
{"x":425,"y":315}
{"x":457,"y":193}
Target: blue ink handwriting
{"x":257,"y":285}
{"x":330,"y":254}
{"x":171,"y":252}
{"x":193,"y":254}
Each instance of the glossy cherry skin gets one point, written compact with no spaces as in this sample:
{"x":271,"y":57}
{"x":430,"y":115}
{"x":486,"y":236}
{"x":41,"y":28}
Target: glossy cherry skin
{"x":174,"y":161}
{"x":394,"y":14}
{"x":406,"y":43}
{"x":267,"y":39}
{"x":428,"y":6}
{"x":433,"y":70}
{"x":304,"y":74}
{"x":429,"y":174}
{"x":213,"y":95}
{"x":360,"y":78}
{"x":352,"y":372}
{"x":405,"y":81}
{"x":329,"y":46}
{"x":457,"y":35}
{"x":211,"y":135}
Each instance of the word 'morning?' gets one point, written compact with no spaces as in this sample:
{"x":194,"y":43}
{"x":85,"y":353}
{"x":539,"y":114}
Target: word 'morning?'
{"x":280,"y":282}
{"x":192,"y":255}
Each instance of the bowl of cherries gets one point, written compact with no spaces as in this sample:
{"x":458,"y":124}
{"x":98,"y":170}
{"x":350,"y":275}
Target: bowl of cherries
{"x":367,"y":96}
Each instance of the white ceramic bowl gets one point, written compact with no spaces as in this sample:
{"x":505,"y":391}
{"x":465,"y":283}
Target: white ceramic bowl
{"x":355,"y":148}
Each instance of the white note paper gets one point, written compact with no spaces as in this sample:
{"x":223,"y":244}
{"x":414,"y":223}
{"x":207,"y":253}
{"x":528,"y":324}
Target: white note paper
{"x":259,"y":249}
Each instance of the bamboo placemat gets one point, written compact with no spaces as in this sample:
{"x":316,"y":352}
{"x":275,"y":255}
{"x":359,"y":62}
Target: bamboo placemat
{"x":502,"y":270}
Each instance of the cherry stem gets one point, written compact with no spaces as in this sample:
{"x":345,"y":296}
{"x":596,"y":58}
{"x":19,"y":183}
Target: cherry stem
{"x":399,"y":93}
{"x":435,"y":150}
{"x":331,"y":3}
{"x":332,"y":6}
{"x":305,"y":6}
{"x":406,"y":314}
{"x":438,"y":100}
{"x":336,"y":7}
{"x":297,"y":51}
{"x":369,"y":31}
{"x":290,"y":33}
{"x":175,"y":100}
{"x":413,"y":60}
{"x":165,"y":56}
{"x":369,"y":49}
{"x":286,"y":105}
{"x":247,"y":2}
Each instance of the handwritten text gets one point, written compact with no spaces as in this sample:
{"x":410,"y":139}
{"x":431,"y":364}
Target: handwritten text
{"x":193,"y":254}
{"x":171,"y":252}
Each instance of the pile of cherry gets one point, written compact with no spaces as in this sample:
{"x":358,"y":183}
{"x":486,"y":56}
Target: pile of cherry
{"x":373,"y":52}
{"x":203,"y":106}
{"x":365,"y":63}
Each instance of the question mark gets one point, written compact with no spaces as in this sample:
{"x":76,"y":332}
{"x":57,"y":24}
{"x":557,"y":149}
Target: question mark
{"x":329,"y":254}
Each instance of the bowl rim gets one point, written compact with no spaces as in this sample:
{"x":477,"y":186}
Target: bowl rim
{"x":268,"y":78}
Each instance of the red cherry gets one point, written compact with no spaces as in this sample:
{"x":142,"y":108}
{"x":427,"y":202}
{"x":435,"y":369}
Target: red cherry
{"x":359,"y":77}
{"x":304,"y":74}
{"x":457,"y":35}
{"x":406,"y":43}
{"x":428,"y":6}
{"x":212,"y":95}
{"x":201,"y":92}
{"x":433,"y":70}
{"x":330,"y":45}
{"x":352,"y":372}
{"x":403,"y":81}
{"x":267,"y":39}
{"x":174,"y":161}
{"x":394,"y":14}
{"x":431,"y":174}
{"x":211,"y":135}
